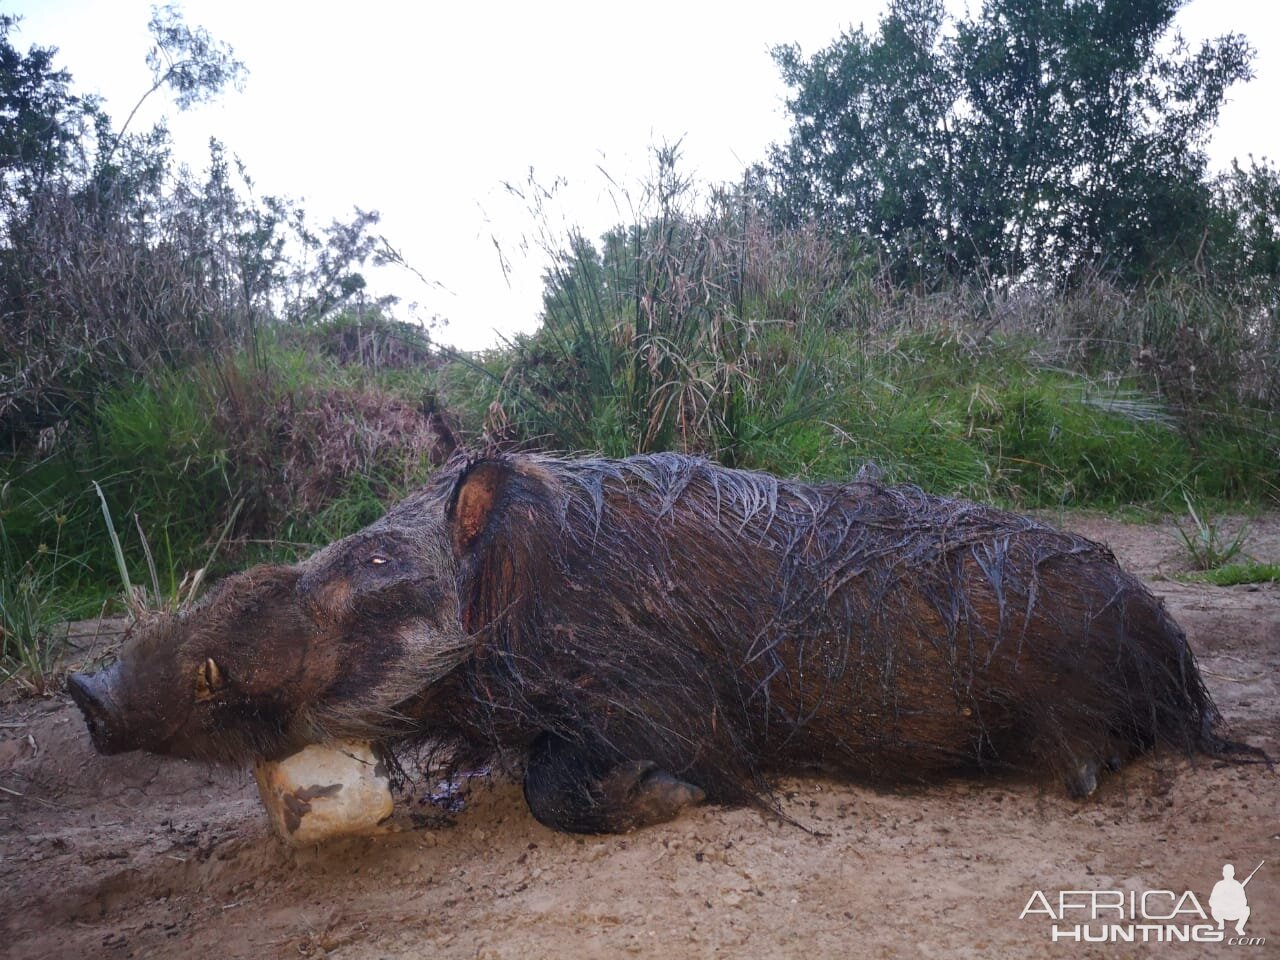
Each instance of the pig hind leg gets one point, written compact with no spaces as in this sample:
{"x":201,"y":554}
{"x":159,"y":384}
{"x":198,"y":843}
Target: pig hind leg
{"x":568,"y":787}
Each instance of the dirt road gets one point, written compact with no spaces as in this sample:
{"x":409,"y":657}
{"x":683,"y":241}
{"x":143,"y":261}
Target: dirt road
{"x":137,"y":857}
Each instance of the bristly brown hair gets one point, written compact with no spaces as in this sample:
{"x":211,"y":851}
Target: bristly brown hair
{"x":728,"y":625}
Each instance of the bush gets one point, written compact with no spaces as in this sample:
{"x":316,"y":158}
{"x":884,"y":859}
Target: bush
{"x":297,"y":455}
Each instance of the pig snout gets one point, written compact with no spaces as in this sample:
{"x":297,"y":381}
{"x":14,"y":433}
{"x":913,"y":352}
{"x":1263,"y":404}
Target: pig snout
{"x":92,"y":694}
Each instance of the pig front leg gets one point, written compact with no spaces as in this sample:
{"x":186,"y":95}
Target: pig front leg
{"x":569,"y":789}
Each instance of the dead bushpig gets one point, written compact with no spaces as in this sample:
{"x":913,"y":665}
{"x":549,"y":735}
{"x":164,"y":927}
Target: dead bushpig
{"x":652,"y":631}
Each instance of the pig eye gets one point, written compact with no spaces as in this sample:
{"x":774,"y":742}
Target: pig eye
{"x":209,"y":680}
{"x":377,"y":561}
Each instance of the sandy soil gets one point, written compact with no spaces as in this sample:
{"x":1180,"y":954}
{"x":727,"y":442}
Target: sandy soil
{"x":136,"y":857}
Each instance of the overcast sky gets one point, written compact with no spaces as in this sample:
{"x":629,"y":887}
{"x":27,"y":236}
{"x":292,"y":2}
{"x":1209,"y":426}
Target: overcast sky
{"x":423,"y":110}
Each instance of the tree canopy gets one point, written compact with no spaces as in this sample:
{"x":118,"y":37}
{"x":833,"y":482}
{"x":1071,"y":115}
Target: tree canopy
{"x":1034,"y":135}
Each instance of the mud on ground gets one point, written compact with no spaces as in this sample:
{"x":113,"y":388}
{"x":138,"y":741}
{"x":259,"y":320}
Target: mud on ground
{"x":138,"y":857}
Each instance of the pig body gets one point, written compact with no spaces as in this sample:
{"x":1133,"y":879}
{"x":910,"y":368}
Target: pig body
{"x":650,"y":632}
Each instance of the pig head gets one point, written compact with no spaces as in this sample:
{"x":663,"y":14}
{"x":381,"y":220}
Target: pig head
{"x":278,"y":657}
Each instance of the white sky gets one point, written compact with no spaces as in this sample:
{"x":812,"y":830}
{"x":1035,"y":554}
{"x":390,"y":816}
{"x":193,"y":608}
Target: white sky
{"x":422,"y":110}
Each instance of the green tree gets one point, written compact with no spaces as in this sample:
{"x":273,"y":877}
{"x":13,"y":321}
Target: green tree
{"x":35,"y":101}
{"x":1244,"y":249}
{"x":1036,"y":134}
{"x":192,"y":64}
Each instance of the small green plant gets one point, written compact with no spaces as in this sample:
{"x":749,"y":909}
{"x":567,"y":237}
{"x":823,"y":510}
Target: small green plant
{"x":181,"y":590}
{"x":1206,"y":542}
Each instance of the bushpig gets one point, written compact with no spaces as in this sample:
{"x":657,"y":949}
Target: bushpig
{"x":652,"y":632}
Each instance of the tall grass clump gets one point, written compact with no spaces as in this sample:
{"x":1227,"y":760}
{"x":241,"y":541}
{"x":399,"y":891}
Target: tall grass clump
{"x":648,"y":342}
{"x":1206,"y":544}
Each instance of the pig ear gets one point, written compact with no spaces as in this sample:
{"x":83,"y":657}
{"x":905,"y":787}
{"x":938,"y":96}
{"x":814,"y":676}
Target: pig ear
{"x":478,"y":493}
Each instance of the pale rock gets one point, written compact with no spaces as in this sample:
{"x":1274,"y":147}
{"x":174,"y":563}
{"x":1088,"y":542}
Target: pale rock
{"x":322,"y":792}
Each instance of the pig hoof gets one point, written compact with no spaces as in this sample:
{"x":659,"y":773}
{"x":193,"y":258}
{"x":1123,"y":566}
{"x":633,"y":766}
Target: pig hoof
{"x":648,"y":794}
{"x":569,"y":787}
{"x":1084,"y":781}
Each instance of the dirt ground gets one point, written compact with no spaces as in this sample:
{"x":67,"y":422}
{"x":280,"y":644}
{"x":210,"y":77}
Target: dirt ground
{"x":137,"y":857}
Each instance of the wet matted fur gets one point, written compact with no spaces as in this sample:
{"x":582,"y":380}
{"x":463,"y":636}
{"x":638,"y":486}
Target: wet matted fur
{"x":727,"y":625}
{"x":661,"y":628}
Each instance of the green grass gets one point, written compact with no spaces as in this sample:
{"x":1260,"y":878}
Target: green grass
{"x":175,"y":470}
{"x":994,"y":424}
{"x":32,"y":610}
{"x":163,"y":475}
{"x":1238,"y":573}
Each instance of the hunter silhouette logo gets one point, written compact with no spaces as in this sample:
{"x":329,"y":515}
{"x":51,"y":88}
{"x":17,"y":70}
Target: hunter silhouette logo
{"x":1228,"y":900}
{"x":1148,"y":916}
